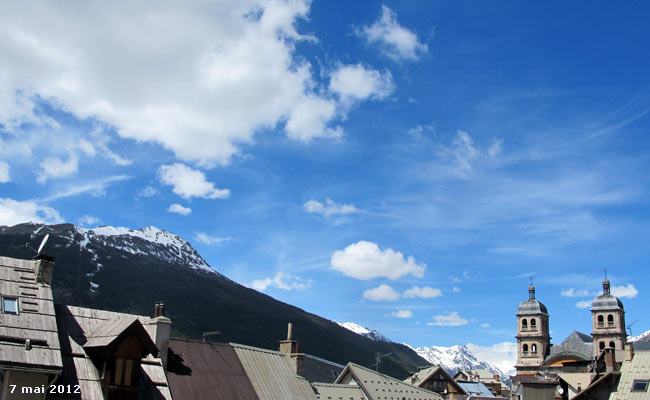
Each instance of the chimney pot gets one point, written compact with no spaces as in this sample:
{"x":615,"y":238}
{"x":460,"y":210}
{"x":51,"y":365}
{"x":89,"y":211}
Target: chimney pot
{"x":161,"y":309}
{"x":290,"y":331}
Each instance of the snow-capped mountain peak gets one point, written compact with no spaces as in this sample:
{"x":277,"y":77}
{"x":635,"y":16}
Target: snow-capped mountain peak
{"x":457,"y":358}
{"x":145,"y":241}
{"x":363,"y":331}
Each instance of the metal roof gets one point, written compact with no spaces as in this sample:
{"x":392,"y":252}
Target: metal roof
{"x":531,"y":306}
{"x":475,"y":389}
{"x":576,"y":344}
{"x":576,"y":379}
{"x":379,"y":386}
{"x":606,"y":302}
{"x":638,"y":368}
{"x":35,"y":319}
{"x":271,"y":375}
{"x":329,"y":391}
{"x":75,"y":325}
{"x":316,"y":369}
{"x":206,"y":371}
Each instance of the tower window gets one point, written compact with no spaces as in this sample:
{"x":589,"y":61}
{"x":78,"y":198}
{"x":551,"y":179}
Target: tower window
{"x":533,"y":348}
{"x":610,"y":320}
{"x":524,"y":324}
{"x":533,"y":324}
{"x":601,"y":346}
{"x":601,"y":320}
{"x":525,"y":348}
{"x":612,"y":345}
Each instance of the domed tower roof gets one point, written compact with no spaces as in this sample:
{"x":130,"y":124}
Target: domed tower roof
{"x":532,"y":305}
{"x":606,"y":301}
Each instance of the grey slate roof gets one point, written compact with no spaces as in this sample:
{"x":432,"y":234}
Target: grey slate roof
{"x":36,"y":319}
{"x":576,"y":344}
{"x":271,"y":375}
{"x":638,"y":368}
{"x":531,"y":306}
{"x":75,"y":325}
{"x":316,"y":369}
{"x":379,"y":386}
{"x":329,"y":391}
{"x":606,"y":302}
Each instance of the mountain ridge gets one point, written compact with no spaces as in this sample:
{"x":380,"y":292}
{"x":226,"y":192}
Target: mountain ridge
{"x":125,"y":270}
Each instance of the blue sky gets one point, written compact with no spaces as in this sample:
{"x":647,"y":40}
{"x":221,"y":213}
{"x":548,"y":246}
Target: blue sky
{"x":403,"y":165}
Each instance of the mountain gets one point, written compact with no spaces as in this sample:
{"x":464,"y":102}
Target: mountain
{"x":641,"y":342}
{"x":125,"y":270}
{"x":452,"y":359}
{"x":360,"y":330}
{"x":457,"y":358}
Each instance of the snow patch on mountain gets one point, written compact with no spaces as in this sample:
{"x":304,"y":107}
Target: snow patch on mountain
{"x":146,"y":241}
{"x":638,"y":337}
{"x":363,"y":331}
{"x":457,"y":358}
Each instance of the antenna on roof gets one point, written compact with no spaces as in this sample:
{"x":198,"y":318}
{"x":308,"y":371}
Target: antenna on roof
{"x":41,"y":248}
{"x":629,"y":327}
{"x":206,"y":334}
{"x":378,"y":357}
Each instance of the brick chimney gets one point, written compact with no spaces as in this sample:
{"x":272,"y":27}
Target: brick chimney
{"x":610,"y":360}
{"x":291,"y":348}
{"x":159,"y":328}
{"x":629,"y":351}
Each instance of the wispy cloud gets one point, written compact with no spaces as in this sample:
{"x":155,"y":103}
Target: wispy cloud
{"x":283,"y":281}
{"x":402,"y":314}
{"x":450,"y":319}
{"x":424,"y":292}
{"x":211,"y":240}
{"x":95,"y":188}
{"x":330,"y":208}
{"x":395,"y":41}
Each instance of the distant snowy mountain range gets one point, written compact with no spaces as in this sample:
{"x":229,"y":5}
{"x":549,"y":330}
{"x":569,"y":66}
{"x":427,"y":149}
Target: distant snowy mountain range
{"x":453,"y":359}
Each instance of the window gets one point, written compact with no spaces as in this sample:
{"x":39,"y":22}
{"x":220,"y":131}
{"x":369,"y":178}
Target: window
{"x":533,"y":348}
{"x":612,"y":345}
{"x":602,"y":345}
{"x":533,"y":324}
{"x":610,"y":320}
{"x":524,"y":324}
{"x":601,"y":320}
{"x":640,"y":385}
{"x":525,"y":349}
{"x":123,"y":372}
{"x":10,"y":305}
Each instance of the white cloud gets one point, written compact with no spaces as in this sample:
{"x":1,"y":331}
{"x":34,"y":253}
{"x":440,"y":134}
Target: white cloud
{"x":402,"y":314}
{"x":455,"y":289}
{"x":365,"y":260}
{"x":211,"y":240}
{"x":501,"y":355}
{"x":179,"y":209}
{"x":355,"y":82}
{"x":451,"y":319}
{"x":95,"y":188}
{"x":148,"y":191}
{"x":485,"y":325}
{"x":584,"y":304}
{"x":329,"y":208}
{"x":4,"y":172}
{"x":88,"y":220}
{"x":462,"y":152}
{"x":14,"y":212}
{"x":199,"y":79}
{"x":418,"y":130}
{"x":382,"y":292}
{"x":282,"y":281}
{"x":54,"y":167}
{"x":396,"y":41}
{"x":188,"y":182}
{"x":424,"y":292}
{"x":495,"y":147}
{"x":624,"y":291}
{"x":574,"y":293}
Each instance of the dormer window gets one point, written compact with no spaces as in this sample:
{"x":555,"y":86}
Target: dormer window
{"x":10,"y":305}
